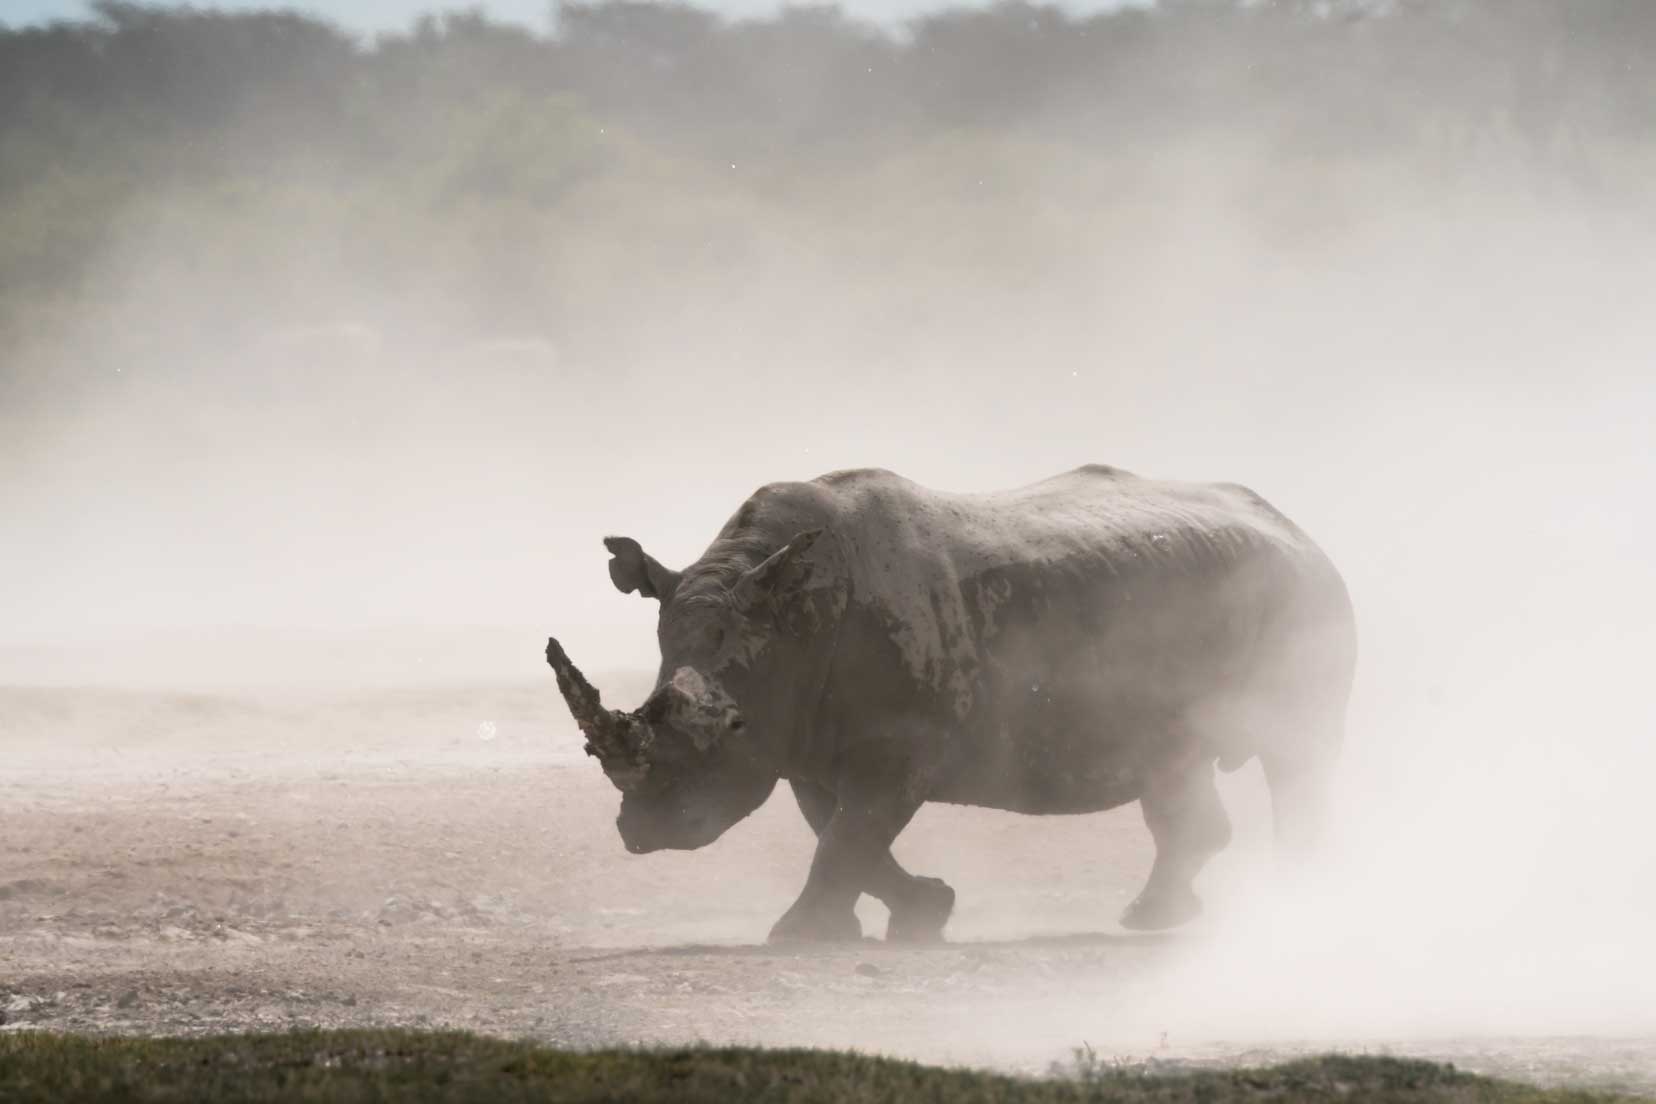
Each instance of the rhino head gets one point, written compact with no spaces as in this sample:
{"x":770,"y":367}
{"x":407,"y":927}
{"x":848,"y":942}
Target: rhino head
{"x":687,"y":761}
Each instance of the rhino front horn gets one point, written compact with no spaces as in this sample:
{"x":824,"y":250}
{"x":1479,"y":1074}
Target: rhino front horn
{"x":600,"y":726}
{"x":617,"y":739}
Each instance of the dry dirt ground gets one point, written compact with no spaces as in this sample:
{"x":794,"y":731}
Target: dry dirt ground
{"x":195,"y":863}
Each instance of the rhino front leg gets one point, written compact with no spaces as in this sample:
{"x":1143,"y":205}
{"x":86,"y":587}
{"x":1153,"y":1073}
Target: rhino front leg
{"x":851,"y":850}
{"x":1188,"y":823}
{"x":920,"y":906}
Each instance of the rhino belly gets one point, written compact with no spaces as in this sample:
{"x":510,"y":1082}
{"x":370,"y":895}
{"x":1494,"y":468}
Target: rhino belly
{"x":1056,"y":751}
{"x":1075,"y":705}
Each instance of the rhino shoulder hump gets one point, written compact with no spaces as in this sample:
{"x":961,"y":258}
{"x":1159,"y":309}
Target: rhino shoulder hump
{"x":857,"y":476}
{"x":1104,"y":471}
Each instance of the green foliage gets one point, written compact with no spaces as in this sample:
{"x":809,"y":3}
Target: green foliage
{"x":390,"y":1065}
{"x":190,"y":170}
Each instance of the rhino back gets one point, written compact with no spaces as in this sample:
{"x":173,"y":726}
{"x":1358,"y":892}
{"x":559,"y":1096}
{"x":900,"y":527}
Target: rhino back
{"x":1044,"y":645}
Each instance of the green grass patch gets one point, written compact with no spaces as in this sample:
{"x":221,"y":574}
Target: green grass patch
{"x":340,"y":1066}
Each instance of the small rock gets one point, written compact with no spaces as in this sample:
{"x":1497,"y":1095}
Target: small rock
{"x":128,"y":999}
{"x":868,"y":969}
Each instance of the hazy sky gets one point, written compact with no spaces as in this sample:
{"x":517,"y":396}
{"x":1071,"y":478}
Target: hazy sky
{"x":382,"y":15}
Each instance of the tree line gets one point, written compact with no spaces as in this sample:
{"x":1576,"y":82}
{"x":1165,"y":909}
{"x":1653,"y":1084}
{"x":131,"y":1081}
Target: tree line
{"x":1327,"y":75}
{"x":461,"y":120}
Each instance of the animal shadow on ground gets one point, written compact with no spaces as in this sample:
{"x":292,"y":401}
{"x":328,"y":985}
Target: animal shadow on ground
{"x":1121,"y":940}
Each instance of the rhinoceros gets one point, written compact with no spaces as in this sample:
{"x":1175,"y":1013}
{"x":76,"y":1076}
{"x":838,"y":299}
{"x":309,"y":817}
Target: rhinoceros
{"x":1070,"y":646}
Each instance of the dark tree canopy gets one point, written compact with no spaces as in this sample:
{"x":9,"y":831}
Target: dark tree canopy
{"x":483,"y":155}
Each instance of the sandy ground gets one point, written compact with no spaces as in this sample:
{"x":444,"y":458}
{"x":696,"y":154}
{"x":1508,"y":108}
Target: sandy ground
{"x":194,"y":863}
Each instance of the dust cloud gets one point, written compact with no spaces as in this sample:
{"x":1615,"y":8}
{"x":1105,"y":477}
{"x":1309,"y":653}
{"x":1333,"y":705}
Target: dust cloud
{"x":302,"y":467}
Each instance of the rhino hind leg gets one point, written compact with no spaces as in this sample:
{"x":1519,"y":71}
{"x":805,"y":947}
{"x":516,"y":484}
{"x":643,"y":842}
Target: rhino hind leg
{"x":1189,"y":825}
{"x":919,"y":906}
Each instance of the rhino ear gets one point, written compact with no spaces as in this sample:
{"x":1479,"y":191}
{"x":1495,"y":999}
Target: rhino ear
{"x":632,"y":569}
{"x":780,"y":578}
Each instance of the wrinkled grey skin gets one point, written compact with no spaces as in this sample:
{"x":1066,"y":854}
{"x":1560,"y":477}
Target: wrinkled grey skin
{"x":1066,"y":647}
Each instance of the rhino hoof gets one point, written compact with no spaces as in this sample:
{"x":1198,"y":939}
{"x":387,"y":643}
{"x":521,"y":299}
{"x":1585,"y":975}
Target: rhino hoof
{"x":1160,"y":911}
{"x":920,"y":918}
{"x":816,"y":928}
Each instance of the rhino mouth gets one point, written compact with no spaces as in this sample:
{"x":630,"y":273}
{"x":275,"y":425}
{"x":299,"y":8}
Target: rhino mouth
{"x":644,"y":831}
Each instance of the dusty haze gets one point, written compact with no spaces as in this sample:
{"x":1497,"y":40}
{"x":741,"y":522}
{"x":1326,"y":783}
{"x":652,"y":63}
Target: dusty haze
{"x":335,"y":443}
